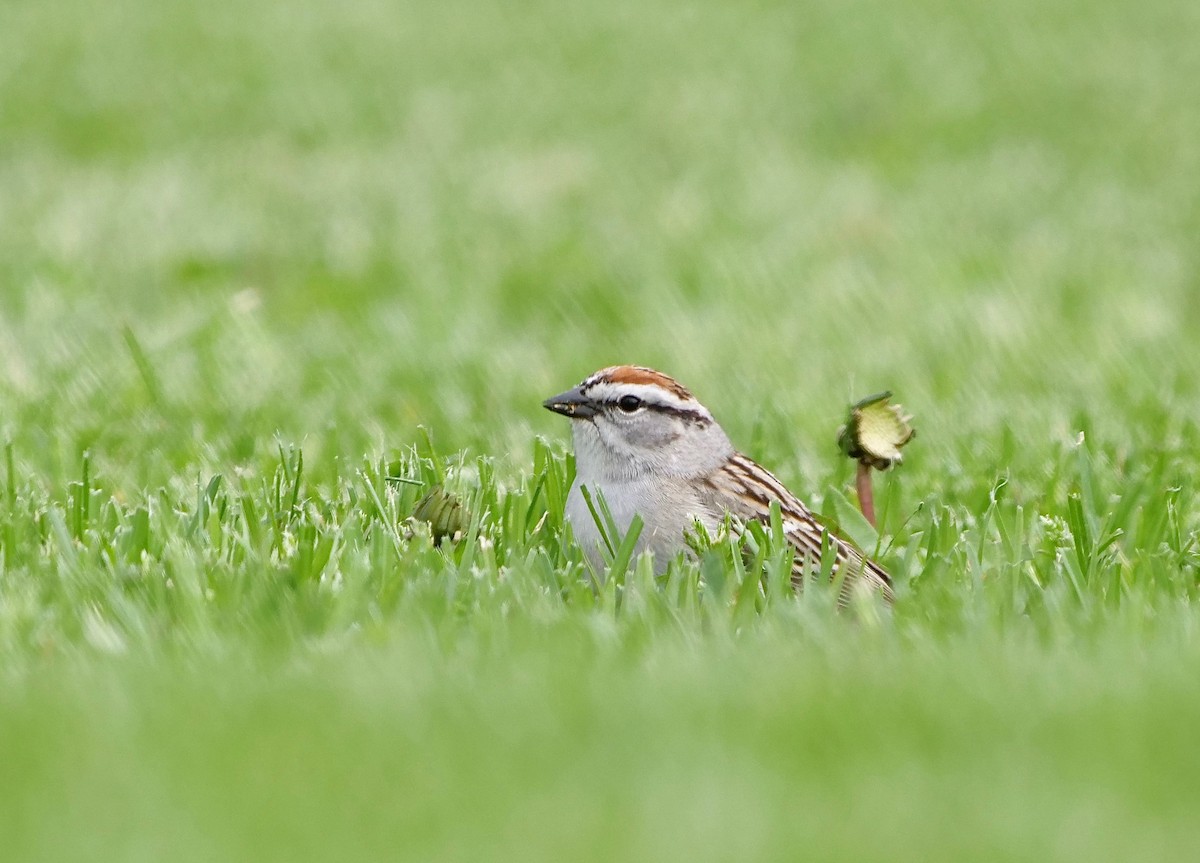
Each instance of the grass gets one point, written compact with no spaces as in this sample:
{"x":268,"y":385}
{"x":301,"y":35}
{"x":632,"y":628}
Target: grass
{"x":268,"y":274}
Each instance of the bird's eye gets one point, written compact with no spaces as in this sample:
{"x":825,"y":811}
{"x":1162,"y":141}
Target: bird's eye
{"x":629,"y":404}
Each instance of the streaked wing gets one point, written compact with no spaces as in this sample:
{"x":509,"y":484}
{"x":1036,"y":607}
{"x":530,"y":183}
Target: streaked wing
{"x":746,"y":489}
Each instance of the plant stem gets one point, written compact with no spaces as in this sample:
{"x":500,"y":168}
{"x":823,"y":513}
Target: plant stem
{"x":866,"y":497}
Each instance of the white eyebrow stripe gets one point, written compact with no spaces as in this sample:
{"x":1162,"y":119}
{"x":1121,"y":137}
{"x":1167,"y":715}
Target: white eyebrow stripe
{"x":603,"y":391}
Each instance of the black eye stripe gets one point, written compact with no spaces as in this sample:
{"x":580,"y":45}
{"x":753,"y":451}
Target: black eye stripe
{"x":630,"y":404}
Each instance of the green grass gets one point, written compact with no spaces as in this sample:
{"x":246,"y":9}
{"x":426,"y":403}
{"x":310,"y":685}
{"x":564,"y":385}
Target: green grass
{"x":270,"y":272}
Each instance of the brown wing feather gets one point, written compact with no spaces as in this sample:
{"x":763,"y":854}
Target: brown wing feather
{"x":747,"y":489}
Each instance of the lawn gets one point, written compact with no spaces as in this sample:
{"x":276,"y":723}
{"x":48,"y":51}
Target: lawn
{"x":270,"y":272}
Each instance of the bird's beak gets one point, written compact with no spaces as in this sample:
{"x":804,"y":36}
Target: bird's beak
{"x":573,"y":404}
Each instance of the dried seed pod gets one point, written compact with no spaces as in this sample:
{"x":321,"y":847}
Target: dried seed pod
{"x":443,"y":512}
{"x":875,"y":432}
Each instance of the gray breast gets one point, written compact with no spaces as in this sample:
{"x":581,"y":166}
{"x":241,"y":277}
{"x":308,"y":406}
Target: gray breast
{"x":668,"y":508}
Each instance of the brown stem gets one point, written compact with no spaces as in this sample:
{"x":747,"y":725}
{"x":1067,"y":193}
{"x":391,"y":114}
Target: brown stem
{"x":866,"y":498}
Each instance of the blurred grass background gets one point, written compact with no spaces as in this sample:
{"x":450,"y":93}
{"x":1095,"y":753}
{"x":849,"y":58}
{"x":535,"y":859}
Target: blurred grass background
{"x":230,"y":232}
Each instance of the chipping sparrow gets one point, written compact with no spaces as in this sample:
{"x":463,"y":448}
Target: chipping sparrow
{"x":645,"y":443}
